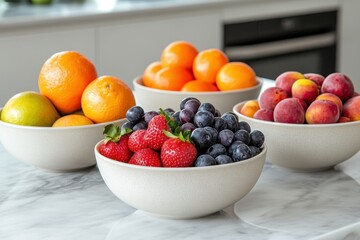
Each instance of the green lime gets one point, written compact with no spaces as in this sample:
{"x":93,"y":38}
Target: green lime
{"x":29,"y":109}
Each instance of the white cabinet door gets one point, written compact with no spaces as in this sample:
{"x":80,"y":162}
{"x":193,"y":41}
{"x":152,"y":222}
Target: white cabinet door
{"x":349,"y":58}
{"x":125,"y":49}
{"x":22,"y":55}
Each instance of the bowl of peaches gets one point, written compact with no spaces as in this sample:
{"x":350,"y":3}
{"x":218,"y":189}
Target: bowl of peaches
{"x":183,"y":71}
{"x":311,"y":122}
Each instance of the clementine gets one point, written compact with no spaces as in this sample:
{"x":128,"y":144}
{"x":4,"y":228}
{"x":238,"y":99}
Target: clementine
{"x":72,"y":120}
{"x":207,"y":64}
{"x":235,"y":75}
{"x":179,"y":54}
{"x":63,"y":78}
{"x":199,"y":86}
{"x":107,"y":98}
{"x":172,"y":78}
{"x":150,"y":72}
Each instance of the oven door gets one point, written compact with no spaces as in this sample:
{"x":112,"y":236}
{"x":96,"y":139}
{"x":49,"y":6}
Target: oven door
{"x":314,"y":53}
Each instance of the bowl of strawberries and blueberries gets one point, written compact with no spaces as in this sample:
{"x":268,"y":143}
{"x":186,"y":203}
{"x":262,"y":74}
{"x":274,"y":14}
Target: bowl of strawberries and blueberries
{"x":196,"y":135}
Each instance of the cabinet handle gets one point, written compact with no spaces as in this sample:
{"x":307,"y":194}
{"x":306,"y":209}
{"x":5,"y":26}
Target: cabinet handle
{"x":280,"y":47}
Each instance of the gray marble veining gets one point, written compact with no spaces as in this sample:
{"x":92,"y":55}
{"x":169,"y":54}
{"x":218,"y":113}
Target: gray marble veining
{"x":35,"y":204}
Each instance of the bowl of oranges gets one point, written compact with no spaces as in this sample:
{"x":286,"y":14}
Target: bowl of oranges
{"x":56,"y":128}
{"x":208,"y":75}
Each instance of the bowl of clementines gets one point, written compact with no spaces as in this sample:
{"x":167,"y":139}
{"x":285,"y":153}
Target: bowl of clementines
{"x":56,"y":128}
{"x":309,"y":125}
{"x":183,"y":71}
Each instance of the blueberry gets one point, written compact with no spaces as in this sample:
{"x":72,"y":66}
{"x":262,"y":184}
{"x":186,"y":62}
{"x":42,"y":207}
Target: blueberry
{"x":231,"y":121}
{"x":214,"y":133}
{"x":203,"y":119}
{"x":187,"y":127}
{"x":243,"y":135}
{"x":217,"y":113}
{"x":201,"y":138}
{"x":241,"y":152}
{"x":223,"y":159}
{"x":186,"y":115}
{"x":207,"y":107}
{"x":176,"y":116}
{"x":254,"y":150}
{"x":232,"y":113}
{"x":233,"y":146}
{"x":219,"y":124}
{"x":169,"y":110}
{"x":216,"y":150}
{"x":127,"y":124}
{"x":135,"y":114}
{"x":182,"y":103}
{"x":149,"y":115}
{"x":140,"y":125}
{"x":257,"y":138}
{"x":244,"y":125}
{"x":226,"y":137}
{"x":204,"y":160}
{"x":192,"y":105}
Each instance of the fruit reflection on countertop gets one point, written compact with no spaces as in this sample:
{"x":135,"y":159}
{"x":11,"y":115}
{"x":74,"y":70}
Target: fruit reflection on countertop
{"x":306,"y":98}
{"x":183,"y":68}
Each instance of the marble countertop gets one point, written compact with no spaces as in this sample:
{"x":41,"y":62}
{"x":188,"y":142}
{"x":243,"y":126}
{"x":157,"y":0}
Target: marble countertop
{"x":35,"y":204}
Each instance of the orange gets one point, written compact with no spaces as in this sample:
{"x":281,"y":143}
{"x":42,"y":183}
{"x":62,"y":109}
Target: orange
{"x":235,"y":75}
{"x":107,"y":98}
{"x":199,"y":86}
{"x":207,"y":64}
{"x":150,"y":72}
{"x":172,"y":78}
{"x":63,"y":78}
{"x":179,"y":54}
{"x":72,"y":120}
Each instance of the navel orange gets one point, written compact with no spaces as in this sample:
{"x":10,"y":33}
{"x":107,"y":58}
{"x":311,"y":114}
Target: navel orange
{"x":107,"y":98}
{"x":63,"y":78}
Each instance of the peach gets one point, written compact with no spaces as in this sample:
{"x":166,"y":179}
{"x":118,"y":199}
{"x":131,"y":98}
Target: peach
{"x":305,"y":89}
{"x":331,"y":97}
{"x":272,"y":96}
{"x":343,"y":119}
{"x":302,"y":103}
{"x":338,"y":84}
{"x":322,"y":112}
{"x":317,"y":78}
{"x":287,"y":79}
{"x":289,"y":111}
{"x":351,"y":108}
{"x":249,"y":108}
{"x":264,"y":114}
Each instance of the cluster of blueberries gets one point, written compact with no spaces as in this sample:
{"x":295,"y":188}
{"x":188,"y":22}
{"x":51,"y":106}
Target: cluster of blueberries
{"x":219,"y":139}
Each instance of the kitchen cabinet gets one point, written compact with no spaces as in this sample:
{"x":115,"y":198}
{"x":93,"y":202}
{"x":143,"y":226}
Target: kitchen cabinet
{"x":22,"y":55}
{"x":349,"y":39}
{"x":126,"y":48}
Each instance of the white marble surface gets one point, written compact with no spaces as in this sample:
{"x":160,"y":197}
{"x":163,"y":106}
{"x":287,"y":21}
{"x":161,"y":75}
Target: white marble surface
{"x":283,"y":205}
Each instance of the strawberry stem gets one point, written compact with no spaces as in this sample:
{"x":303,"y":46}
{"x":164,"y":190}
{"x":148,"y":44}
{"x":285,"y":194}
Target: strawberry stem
{"x":113,"y":133}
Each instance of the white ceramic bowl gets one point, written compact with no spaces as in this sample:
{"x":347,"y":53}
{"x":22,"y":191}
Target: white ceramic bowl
{"x":54,"y":149}
{"x":180,"y":193}
{"x":153,"y":99}
{"x":307,"y":147}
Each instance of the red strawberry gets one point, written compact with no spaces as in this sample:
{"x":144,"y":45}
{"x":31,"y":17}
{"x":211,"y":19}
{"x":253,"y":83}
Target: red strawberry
{"x":177,"y":153}
{"x":146,"y":157}
{"x":154,"y":136}
{"x":136,"y":140}
{"x":118,"y":151}
{"x":115,"y":145}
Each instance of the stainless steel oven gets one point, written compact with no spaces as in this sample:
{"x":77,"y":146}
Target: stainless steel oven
{"x":304,"y":43}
